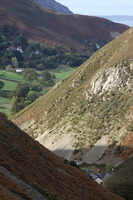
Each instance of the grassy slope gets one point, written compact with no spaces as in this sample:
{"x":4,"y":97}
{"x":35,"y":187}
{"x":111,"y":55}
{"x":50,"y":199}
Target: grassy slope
{"x":67,"y":103}
{"x":41,"y":169}
{"x":110,"y":55}
{"x":121,"y":183}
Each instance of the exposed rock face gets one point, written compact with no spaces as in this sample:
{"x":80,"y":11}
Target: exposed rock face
{"x":54,"y":6}
{"x":118,"y":77}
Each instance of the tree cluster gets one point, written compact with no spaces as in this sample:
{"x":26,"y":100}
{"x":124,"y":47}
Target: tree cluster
{"x":30,"y":89}
{"x":17,"y":51}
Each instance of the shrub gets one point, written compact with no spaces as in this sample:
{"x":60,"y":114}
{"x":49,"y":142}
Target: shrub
{"x":130,"y":127}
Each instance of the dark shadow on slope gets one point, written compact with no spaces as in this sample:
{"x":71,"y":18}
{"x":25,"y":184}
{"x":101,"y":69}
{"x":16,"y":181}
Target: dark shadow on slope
{"x":111,"y":155}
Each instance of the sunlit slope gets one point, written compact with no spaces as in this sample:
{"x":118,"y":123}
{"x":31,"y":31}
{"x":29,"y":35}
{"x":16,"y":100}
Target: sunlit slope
{"x":95,"y":101}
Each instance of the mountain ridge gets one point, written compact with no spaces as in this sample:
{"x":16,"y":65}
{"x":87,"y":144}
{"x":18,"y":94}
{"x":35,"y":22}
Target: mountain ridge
{"x":125,"y":19}
{"x":54,"y":5}
{"x":50,"y":28}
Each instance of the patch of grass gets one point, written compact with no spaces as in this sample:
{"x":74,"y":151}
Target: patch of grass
{"x":63,"y":73}
{"x":10,"y":76}
{"x":10,"y":80}
{"x":9,"y":85}
{"x":4,"y":105}
{"x":5,"y":110}
{"x":4,"y":100}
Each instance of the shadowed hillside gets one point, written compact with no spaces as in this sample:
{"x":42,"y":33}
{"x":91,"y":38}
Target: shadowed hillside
{"x":30,"y":171}
{"x":46,"y":26}
{"x":92,"y":107}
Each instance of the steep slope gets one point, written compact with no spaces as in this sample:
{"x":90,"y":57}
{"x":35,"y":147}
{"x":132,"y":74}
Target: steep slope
{"x":30,"y":171}
{"x":92,"y":107}
{"x":46,"y":26}
{"x":54,"y":6}
{"x":121,"y":183}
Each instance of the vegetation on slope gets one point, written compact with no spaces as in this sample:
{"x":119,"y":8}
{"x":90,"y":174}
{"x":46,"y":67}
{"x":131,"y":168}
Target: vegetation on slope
{"x":40,"y":170}
{"x":122,"y":181}
{"x":73,"y":107}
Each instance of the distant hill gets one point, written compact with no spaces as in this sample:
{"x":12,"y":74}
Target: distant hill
{"x":30,"y":171}
{"x":123,"y":19}
{"x":88,"y":116}
{"x":54,"y":6}
{"x":50,"y":28}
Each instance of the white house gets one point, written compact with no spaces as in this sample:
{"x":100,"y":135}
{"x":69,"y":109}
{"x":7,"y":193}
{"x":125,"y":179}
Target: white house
{"x":18,"y":70}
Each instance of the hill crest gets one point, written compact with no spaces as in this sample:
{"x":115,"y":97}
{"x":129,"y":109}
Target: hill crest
{"x":50,"y":28}
{"x":54,"y":5}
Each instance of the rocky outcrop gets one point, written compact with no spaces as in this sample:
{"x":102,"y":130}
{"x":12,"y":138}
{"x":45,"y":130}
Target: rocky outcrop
{"x":117,"y":77}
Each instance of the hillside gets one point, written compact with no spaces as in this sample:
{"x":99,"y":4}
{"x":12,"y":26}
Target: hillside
{"x":54,"y":5}
{"x":91,"y":108}
{"x":30,"y":171}
{"x":121,"y":183}
{"x":50,"y":28}
{"x":124,"y":19}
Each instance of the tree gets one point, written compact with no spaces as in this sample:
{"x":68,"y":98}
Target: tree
{"x":21,"y":40}
{"x":29,"y":75}
{"x":24,"y":83}
{"x":14,"y":105}
{"x":1,"y":84}
{"x":46,"y":75}
{"x":22,"y":91}
{"x":14,"y":62}
{"x":33,"y":47}
{"x":36,"y":87}
{"x":40,"y":67}
{"x":32,"y":96}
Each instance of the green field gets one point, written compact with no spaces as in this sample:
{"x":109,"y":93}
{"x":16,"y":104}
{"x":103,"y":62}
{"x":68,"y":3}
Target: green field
{"x":4,"y":105}
{"x":10,"y":80}
{"x":63,"y":73}
{"x":8,"y":85}
{"x":10,"y":76}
